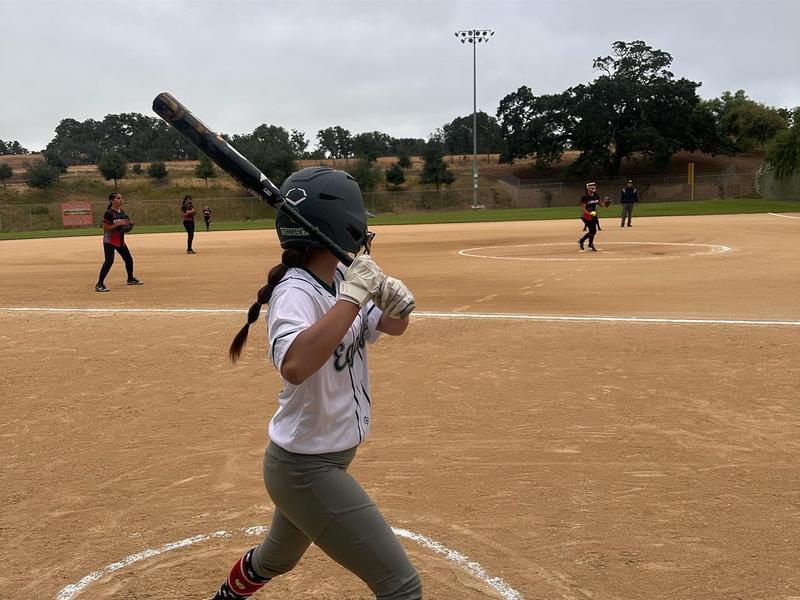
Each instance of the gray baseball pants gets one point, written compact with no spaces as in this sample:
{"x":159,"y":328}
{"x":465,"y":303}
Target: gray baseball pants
{"x":316,"y":500}
{"x":627,"y":212}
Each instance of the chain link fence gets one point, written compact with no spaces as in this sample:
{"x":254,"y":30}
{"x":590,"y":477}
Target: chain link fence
{"x":510,"y":193}
{"x":36,"y":217}
{"x":545,"y":193}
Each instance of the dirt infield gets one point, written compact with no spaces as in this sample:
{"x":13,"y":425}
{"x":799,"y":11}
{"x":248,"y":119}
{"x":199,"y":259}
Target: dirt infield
{"x":521,"y":458}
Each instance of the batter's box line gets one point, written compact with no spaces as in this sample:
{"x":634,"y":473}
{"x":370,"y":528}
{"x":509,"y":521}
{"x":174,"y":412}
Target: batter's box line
{"x":473,"y":568}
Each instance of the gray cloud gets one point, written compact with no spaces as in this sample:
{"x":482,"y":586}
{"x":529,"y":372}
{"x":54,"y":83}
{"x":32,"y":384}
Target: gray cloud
{"x":366,"y":65}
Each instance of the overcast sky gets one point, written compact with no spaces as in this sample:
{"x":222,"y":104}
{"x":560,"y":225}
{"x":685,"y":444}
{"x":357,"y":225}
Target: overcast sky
{"x":387,"y":65}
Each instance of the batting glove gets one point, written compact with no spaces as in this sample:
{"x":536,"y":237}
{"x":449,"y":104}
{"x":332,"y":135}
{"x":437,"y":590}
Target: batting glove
{"x":361,"y":281}
{"x":395,"y":299}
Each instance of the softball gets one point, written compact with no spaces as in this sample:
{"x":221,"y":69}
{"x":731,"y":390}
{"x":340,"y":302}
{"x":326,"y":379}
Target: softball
{"x":593,"y":213}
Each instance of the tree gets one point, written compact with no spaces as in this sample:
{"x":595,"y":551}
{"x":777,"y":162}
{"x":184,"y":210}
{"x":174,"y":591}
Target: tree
{"x":113,"y":166}
{"x":366,"y":174}
{"x":5,"y":173}
{"x":395,"y":175}
{"x":533,"y":126}
{"x":137,"y":137}
{"x":403,"y":158}
{"x":326,"y":142}
{"x":205,"y":169}
{"x":636,"y":106}
{"x":410,"y":146}
{"x":136,"y":169}
{"x":299,"y":143}
{"x":55,"y":160}
{"x":42,"y":176}
{"x":335,"y":142}
{"x":434,"y":169}
{"x":13,"y":147}
{"x":157,"y":170}
{"x":746,"y":125}
{"x":783,"y":152}
{"x":458,"y":134}
{"x":269,"y":148}
{"x":371,"y":145}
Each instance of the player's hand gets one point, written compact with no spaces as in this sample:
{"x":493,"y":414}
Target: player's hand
{"x":361,"y":281}
{"x":395,"y":299}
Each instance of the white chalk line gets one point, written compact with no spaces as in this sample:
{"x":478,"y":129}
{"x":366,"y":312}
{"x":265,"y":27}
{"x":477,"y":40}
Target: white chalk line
{"x":711,"y":249}
{"x":471,"y":567}
{"x":784,"y":216}
{"x":428,"y":315}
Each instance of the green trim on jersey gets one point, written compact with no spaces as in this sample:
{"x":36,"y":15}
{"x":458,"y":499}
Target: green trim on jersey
{"x":328,"y":287}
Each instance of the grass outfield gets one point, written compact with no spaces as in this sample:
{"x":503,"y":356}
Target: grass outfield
{"x":659,"y":209}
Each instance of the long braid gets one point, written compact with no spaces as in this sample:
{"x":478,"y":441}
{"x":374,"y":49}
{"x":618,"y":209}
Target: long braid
{"x":292,"y":257}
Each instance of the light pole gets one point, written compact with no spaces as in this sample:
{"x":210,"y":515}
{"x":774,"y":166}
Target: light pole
{"x":474,"y":37}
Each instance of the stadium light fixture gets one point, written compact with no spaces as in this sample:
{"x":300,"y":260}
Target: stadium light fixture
{"x":474,"y":37}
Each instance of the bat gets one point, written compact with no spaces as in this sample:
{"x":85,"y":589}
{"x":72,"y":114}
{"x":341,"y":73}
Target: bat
{"x":227,"y":158}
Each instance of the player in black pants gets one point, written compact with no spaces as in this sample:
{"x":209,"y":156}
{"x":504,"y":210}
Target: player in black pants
{"x":187,"y":212}
{"x":589,"y":203}
{"x":115,"y":221}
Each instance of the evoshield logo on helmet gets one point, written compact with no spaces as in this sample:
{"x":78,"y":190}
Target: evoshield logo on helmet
{"x":298,"y":193}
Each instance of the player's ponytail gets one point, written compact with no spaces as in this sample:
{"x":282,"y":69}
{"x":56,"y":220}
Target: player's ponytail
{"x":292,"y":257}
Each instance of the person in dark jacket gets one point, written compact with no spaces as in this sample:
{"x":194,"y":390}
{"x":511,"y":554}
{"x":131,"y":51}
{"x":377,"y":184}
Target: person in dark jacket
{"x":629,"y":197}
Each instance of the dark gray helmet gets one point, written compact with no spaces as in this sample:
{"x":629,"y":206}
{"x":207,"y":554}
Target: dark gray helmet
{"x":330,"y":200}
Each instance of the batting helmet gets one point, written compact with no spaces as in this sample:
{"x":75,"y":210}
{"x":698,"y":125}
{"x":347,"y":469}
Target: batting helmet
{"x":330,"y":200}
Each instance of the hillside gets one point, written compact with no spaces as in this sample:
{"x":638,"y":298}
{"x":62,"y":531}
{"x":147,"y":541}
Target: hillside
{"x":83,"y":180}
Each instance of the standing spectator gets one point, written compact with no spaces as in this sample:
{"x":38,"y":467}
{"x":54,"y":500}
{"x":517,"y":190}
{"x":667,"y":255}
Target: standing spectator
{"x":187,"y":212}
{"x":629,"y":196}
{"x":115,"y":224}
{"x":207,"y":216}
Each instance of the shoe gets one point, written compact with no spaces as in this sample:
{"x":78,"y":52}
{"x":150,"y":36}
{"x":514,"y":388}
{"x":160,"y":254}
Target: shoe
{"x":629,"y":225}
{"x":135,"y":281}
{"x":580,"y":243}
{"x":190,"y":251}
{"x":592,"y":249}
{"x":101,"y":288}
{"x":622,"y":224}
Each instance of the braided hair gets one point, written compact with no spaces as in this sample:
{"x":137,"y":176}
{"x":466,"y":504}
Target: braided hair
{"x":292,"y":257}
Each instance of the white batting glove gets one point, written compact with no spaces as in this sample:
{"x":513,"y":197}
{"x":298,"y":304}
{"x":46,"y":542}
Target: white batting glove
{"x":361,"y":281}
{"x":395,"y":299}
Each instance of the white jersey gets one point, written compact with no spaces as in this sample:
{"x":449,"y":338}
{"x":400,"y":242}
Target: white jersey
{"x":329,"y":411}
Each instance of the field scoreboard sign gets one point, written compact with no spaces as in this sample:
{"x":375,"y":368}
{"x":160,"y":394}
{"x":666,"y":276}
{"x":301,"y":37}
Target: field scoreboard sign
{"x":76,"y":214}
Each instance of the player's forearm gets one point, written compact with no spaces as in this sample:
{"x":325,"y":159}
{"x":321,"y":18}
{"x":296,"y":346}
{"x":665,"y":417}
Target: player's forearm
{"x":314,"y":346}
{"x":392,"y":326}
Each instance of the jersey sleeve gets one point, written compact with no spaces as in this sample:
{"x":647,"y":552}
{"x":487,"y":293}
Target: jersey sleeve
{"x":372,"y":316}
{"x":108,"y":217}
{"x":291,"y":311}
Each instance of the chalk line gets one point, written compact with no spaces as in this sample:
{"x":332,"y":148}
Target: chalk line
{"x":710,"y":249}
{"x":473,"y":568}
{"x":427,"y":315}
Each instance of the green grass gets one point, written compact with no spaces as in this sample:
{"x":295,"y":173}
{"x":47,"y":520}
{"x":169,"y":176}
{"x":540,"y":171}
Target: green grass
{"x":659,"y":209}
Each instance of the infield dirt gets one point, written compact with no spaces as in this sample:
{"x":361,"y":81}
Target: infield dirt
{"x":572,"y":460}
